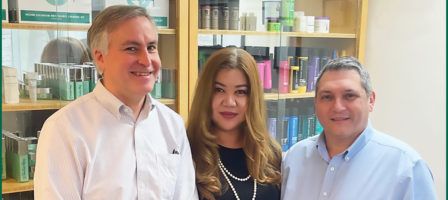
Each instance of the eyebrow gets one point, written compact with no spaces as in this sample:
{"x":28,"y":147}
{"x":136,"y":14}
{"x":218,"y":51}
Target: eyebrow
{"x":329,"y":91}
{"x":237,"y":86}
{"x":131,"y":42}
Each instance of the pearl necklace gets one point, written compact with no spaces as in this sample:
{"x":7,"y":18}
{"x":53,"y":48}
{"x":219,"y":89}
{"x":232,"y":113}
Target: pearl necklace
{"x":224,"y":171}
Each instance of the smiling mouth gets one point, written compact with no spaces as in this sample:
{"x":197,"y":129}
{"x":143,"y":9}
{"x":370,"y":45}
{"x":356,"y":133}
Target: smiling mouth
{"x":141,"y":73}
{"x":337,"y":119}
{"x":228,"y":115}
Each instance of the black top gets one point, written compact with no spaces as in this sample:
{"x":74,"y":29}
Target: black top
{"x":235,"y":162}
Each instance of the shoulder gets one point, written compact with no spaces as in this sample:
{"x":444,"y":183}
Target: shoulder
{"x":80,"y":107}
{"x":165,"y":112}
{"x":395,"y":146}
{"x":301,"y":149}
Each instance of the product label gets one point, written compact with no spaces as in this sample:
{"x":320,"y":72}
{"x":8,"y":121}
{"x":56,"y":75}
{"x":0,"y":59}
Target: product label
{"x":79,"y":90}
{"x":160,"y":21}
{"x":47,"y":16}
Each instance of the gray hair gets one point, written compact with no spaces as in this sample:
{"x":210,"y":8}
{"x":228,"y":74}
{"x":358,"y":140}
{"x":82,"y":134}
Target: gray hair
{"x":107,"y":20}
{"x":348,"y":63}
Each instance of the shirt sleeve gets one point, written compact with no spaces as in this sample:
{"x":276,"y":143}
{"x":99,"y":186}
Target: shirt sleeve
{"x":186,"y":181}
{"x":59,"y":172}
{"x":422,"y":182}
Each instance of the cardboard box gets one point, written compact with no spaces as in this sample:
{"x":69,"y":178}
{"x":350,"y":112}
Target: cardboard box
{"x":53,"y":11}
{"x":10,"y":85}
{"x":159,"y":10}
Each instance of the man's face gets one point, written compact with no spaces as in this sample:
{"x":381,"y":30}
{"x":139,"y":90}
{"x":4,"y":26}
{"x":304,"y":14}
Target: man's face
{"x":342,"y":105}
{"x":132,"y":62}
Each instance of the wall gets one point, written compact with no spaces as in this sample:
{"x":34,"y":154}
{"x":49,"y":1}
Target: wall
{"x":405,"y":54}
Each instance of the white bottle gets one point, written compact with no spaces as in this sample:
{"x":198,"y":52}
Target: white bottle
{"x":299,"y":21}
{"x":310,"y":24}
{"x":243,"y":21}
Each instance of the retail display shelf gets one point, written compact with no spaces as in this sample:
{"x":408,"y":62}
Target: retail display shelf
{"x":289,"y":34}
{"x":12,"y":186}
{"x":276,"y":96}
{"x":26,"y":104}
{"x":62,"y":26}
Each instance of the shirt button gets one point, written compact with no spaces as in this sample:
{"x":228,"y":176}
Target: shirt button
{"x":331,"y":168}
{"x":347,"y":158}
{"x":325,"y":193}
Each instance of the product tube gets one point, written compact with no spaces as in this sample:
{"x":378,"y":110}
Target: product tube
{"x":267,"y":84}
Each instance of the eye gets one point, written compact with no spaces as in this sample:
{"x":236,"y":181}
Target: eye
{"x":152,"y":48}
{"x":219,"y":90}
{"x":325,"y":97}
{"x":241,"y":92}
{"x":350,"y":96}
{"x":131,"y":49}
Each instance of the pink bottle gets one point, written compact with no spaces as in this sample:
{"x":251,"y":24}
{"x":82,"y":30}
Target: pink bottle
{"x":283,"y":81}
{"x":267,"y":84}
{"x":261,"y":67}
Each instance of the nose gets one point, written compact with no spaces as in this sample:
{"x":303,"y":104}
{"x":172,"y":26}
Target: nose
{"x":338,"y":105}
{"x":144,"y":58}
{"x":229,"y":100}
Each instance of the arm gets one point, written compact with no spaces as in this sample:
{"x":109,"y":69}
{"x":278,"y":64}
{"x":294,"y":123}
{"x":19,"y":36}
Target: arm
{"x":417,"y":183}
{"x":186,"y":180}
{"x":422,"y":182}
{"x":59,"y":173}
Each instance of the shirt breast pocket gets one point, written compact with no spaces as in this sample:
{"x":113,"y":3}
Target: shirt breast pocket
{"x":168,"y":167}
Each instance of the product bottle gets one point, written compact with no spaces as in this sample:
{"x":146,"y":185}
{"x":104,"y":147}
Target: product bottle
{"x":224,"y":16}
{"x":313,"y":71}
{"x":267,"y":80}
{"x":293,"y":127}
{"x":287,"y":15}
{"x":214,"y":16}
{"x":294,"y":76}
{"x":79,"y":81}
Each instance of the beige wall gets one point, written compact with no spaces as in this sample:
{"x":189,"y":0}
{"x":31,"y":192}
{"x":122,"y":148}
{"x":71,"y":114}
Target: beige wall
{"x":405,"y":54}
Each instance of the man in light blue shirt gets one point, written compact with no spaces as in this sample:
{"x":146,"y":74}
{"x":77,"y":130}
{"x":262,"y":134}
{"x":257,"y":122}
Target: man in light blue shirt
{"x":352,"y":160}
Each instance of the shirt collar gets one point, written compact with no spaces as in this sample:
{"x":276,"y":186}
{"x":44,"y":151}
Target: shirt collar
{"x":351,"y":151}
{"x":115,"y":106}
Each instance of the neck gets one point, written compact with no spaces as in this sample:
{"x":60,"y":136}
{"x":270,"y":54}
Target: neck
{"x":134,"y":102}
{"x":230,"y":139}
{"x":337,"y":145}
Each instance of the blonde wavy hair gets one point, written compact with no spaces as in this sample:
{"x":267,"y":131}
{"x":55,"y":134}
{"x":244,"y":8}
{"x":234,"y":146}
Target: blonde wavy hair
{"x":263,"y":154}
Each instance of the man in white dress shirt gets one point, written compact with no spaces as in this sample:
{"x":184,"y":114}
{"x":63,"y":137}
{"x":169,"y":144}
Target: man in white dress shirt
{"x":117,"y":142}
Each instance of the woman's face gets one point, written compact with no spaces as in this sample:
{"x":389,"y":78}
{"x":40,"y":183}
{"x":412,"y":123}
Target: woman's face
{"x":229,"y":100}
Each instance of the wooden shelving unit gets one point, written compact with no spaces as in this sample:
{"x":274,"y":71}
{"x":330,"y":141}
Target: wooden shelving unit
{"x":26,"y":105}
{"x":63,"y":27}
{"x":12,"y":186}
{"x":276,"y":96}
{"x":289,"y":34}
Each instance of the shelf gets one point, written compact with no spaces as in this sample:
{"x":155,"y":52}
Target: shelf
{"x":276,"y":96}
{"x":266,"y":33}
{"x":167,"y":101}
{"x":63,"y":27}
{"x":12,"y":186}
{"x":26,"y":105}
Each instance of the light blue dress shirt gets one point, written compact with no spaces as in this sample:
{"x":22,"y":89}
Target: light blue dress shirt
{"x":375,"y":166}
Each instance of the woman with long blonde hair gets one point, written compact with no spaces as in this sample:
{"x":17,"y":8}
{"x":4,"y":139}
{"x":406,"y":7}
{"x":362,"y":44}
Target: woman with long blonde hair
{"x":234,"y":155}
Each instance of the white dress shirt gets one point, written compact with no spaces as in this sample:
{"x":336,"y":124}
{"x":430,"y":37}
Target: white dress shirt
{"x":93,"y":149}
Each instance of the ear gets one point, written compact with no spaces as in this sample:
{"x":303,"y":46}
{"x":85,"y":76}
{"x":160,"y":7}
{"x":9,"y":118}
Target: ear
{"x":371,"y":101}
{"x":98,"y":56}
